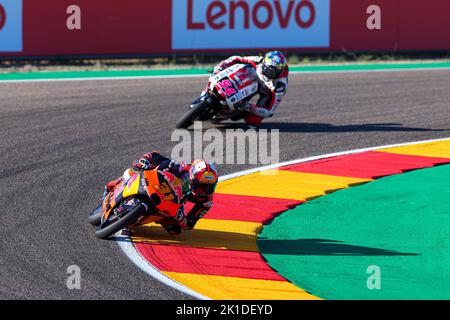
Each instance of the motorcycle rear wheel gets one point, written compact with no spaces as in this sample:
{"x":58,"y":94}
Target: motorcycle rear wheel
{"x":129,"y":218}
{"x":190,"y":116}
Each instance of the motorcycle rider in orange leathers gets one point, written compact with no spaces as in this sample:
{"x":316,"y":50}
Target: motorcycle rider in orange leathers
{"x":199,"y":179}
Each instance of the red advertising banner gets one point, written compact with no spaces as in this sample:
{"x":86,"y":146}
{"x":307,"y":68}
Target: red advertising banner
{"x":141,"y":27}
{"x":118,"y":27}
{"x":406,"y":25}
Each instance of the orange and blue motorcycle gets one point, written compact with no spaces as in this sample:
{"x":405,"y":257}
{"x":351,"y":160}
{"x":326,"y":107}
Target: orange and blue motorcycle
{"x":143,"y":197}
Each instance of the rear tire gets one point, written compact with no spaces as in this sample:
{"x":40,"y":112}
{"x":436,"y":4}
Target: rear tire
{"x":130,"y":218}
{"x":190,"y":116}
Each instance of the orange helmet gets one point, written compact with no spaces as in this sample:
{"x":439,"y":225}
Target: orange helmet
{"x":203,"y":179}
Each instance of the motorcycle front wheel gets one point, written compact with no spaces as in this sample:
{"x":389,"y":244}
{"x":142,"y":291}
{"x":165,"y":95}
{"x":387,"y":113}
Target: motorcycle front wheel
{"x":192,"y":114}
{"x":95,"y":216}
{"x":117,"y":222}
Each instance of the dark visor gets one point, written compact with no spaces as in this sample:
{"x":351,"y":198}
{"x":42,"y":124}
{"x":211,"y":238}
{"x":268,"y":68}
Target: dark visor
{"x":271,"y":72}
{"x":204,"y":189}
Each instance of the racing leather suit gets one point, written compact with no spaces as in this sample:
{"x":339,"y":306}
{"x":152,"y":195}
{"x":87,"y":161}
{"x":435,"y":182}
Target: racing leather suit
{"x":180,"y":170}
{"x":271,"y":91}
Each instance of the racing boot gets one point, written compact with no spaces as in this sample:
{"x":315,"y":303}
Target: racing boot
{"x":172,"y":228}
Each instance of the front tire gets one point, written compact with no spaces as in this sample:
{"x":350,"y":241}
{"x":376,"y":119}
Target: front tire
{"x":95,"y":217}
{"x":190,"y":116}
{"x":131,"y":217}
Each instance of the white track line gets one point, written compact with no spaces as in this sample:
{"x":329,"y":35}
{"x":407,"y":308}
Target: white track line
{"x":371,"y":71}
{"x":206,"y":75}
{"x":131,"y":252}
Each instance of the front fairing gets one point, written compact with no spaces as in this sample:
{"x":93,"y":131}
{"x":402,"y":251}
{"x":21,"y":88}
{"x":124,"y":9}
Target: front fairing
{"x":235,"y":84}
{"x":134,"y":186}
{"x":162,"y":189}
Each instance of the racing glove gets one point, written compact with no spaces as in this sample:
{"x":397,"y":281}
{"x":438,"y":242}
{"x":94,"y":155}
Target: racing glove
{"x":148,"y":161}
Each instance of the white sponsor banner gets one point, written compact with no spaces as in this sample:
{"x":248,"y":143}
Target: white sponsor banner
{"x":239,"y":24}
{"x":11,"y":26}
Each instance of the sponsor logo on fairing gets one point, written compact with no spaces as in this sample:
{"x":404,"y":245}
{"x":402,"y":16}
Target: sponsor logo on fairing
{"x":11,"y":26}
{"x":230,"y":24}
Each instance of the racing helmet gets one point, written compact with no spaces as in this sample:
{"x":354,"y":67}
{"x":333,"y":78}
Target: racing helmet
{"x":273,"y":64}
{"x":203,"y":179}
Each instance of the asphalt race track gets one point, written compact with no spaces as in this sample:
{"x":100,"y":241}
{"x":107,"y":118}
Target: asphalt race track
{"x":62,"y":141}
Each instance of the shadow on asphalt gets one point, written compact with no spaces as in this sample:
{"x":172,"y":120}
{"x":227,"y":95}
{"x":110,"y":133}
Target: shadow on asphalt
{"x":322,"y":247}
{"x":327,"y":127}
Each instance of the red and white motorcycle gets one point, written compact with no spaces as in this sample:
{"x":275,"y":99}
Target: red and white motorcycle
{"x":226,"y":92}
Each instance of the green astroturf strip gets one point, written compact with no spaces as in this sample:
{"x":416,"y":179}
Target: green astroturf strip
{"x":371,"y":67}
{"x":187,"y":72}
{"x":100,"y":74}
{"x":400,"y":224}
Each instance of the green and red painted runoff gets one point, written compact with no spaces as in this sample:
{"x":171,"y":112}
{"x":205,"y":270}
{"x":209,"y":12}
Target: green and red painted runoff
{"x":367,"y":224}
{"x":398,"y":226}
